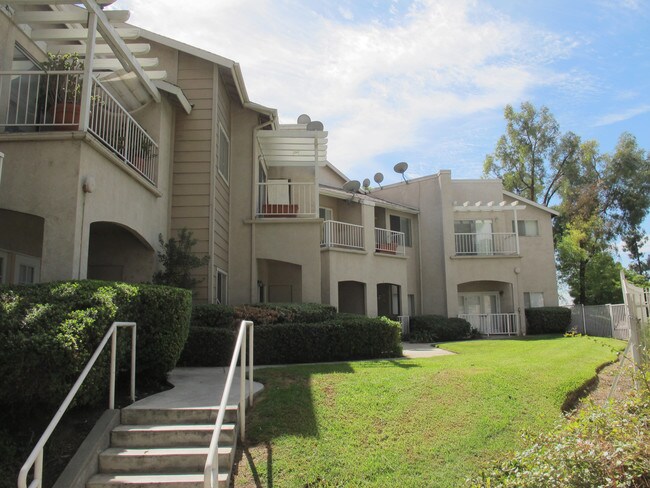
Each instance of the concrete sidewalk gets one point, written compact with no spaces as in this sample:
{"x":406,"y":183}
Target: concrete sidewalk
{"x":422,"y":350}
{"x":196,"y":388}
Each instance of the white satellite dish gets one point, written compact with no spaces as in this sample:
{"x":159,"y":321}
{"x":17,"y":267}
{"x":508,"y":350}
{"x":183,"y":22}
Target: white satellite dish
{"x":352,"y":186}
{"x":366,"y":183}
{"x":401,"y":168}
{"x":315,"y":125}
{"x":379,"y":177}
{"x":304,"y":119}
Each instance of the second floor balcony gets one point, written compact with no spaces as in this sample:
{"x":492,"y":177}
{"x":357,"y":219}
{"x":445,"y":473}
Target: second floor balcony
{"x":487,"y":244}
{"x":351,"y":236}
{"x":37,"y":102}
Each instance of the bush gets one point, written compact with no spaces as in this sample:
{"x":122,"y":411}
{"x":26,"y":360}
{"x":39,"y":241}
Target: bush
{"x":547,"y":320}
{"x":602,"y":446}
{"x":281,"y":313}
{"x":436,"y":328}
{"x":208,"y":346}
{"x":336,"y":340}
{"x":221,"y":316}
{"x":49,"y":331}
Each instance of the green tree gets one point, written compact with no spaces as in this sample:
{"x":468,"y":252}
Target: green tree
{"x":532,"y":158}
{"x":178,"y":261}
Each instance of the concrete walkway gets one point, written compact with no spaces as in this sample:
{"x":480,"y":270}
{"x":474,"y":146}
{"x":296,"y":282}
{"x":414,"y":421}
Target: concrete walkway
{"x":196,"y":388}
{"x":422,"y":350}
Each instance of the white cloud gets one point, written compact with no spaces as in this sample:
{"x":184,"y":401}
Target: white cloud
{"x":375,"y":84}
{"x":623,"y":115}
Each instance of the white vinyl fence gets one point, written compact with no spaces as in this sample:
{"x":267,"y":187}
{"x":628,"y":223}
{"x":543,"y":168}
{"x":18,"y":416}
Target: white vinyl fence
{"x":601,"y":320}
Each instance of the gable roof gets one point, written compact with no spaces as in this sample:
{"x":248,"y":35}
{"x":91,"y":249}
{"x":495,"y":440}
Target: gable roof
{"x":531,"y":203}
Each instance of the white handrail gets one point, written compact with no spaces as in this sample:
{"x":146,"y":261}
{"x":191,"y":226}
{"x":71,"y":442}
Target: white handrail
{"x":35,"y":459}
{"x":211,"y":470}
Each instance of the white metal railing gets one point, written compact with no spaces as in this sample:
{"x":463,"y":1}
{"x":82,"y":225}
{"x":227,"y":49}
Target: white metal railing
{"x":405,"y":322}
{"x":493,"y":323}
{"x":35,"y":459}
{"x":120,"y":132}
{"x":211,"y":470}
{"x":389,"y":242}
{"x":491,"y":244}
{"x":36,"y":101}
{"x":284,"y":198}
{"x":341,"y":234}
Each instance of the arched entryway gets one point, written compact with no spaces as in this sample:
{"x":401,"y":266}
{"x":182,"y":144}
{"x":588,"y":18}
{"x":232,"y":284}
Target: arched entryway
{"x":279,"y":281}
{"x":118,"y":253}
{"x":21,"y":247}
{"x":389,"y":300}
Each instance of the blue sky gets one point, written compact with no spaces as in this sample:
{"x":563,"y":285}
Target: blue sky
{"x":426,"y":81}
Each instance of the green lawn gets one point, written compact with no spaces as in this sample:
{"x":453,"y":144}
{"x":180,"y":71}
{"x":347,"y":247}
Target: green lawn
{"x":411,"y":423}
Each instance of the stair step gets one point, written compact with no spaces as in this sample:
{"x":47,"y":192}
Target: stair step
{"x":160,"y":460}
{"x":159,"y":416}
{"x":168,"y":435}
{"x":171,"y":480}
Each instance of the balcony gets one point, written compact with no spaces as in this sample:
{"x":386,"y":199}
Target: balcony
{"x":487,"y":244}
{"x":34,"y":101}
{"x":283,"y":198}
{"x":389,"y":242}
{"x":341,"y":234}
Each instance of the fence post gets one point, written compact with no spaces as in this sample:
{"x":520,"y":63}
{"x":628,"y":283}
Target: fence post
{"x":611,"y":317}
{"x":584,"y":323}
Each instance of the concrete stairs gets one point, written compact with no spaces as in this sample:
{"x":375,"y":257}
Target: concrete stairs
{"x":165,"y":448}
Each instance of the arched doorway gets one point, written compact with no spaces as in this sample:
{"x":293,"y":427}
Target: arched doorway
{"x":352,"y":297}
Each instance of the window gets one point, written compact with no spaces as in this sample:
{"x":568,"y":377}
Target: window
{"x":325,"y":213}
{"x":474,"y":237}
{"x":526,"y":228}
{"x":224,"y":154}
{"x":479,"y":303}
{"x":3,"y":267}
{"x":402,"y":224}
{"x":222,"y":287}
{"x":411,"y":299}
{"x":27,"y":270}
{"x":533,"y":299}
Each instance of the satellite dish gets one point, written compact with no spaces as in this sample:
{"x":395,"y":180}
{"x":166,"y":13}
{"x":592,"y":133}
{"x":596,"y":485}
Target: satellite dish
{"x":315,"y":125}
{"x":352,"y":186}
{"x":379,"y":177}
{"x":401,"y":169}
{"x":304,"y":119}
{"x":366,"y":183}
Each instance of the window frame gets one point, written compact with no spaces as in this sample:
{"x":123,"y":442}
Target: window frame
{"x":221,"y":286}
{"x":223,"y":136}
{"x":326,"y":211}
{"x":4,"y":267}
{"x":517,"y":228}
{"x":528,"y":302}
{"x":31,"y":261}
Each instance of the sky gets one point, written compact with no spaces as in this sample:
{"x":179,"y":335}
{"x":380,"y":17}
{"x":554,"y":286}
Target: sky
{"x":423,"y":81}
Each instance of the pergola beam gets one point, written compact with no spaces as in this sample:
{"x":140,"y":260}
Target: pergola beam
{"x":136,"y":49}
{"x":66,"y":16}
{"x":78,"y":34}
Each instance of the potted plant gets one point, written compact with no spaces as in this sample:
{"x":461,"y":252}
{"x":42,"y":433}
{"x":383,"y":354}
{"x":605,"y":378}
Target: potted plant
{"x":64,"y":90}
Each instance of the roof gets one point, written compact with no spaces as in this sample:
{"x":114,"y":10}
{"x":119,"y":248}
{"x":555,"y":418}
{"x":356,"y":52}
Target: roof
{"x":340,"y":193}
{"x":229,"y":70}
{"x":531,"y":203}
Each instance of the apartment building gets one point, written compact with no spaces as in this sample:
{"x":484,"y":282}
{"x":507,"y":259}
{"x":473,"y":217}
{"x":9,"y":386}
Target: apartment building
{"x":149,"y":136}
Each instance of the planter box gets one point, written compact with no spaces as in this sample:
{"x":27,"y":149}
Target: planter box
{"x":279,"y":210}
{"x":388,"y":248}
{"x":67,"y":116}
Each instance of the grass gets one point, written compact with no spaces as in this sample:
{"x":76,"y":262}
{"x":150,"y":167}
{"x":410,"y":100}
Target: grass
{"x":412,"y":423}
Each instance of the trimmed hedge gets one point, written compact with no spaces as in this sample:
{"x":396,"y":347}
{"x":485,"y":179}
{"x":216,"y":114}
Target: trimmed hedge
{"x":49,"y":331}
{"x":221,"y":316}
{"x":337,"y":340}
{"x":547,"y":320}
{"x":436,"y":328}
{"x":282,"y":313}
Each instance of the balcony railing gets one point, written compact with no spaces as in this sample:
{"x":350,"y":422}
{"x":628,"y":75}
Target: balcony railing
{"x":493,"y":323}
{"x":340,"y":234}
{"x":493,"y":244}
{"x":389,"y":242}
{"x":32,"y":101}
{"x":287,"y":199}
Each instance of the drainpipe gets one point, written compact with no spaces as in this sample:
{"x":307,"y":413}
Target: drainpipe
{"x":2,"y":158}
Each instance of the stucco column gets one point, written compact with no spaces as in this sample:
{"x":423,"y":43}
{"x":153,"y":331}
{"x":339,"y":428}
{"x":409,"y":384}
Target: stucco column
{"x":371,"y":299}
{"x":368,"y":222}
{"x":449,"y":243}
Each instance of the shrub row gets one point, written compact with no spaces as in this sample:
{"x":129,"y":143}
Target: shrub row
{"x":436,"y":328}
{"x":335,"y":340}
{"x":49,"y":331}
{"x":225,"y":316}
{"x":547,"y":320}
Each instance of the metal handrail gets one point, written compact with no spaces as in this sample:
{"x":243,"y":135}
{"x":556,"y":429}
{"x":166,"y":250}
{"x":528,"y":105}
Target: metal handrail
{"x":211,"y":470}
{"x":35,"y":459}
